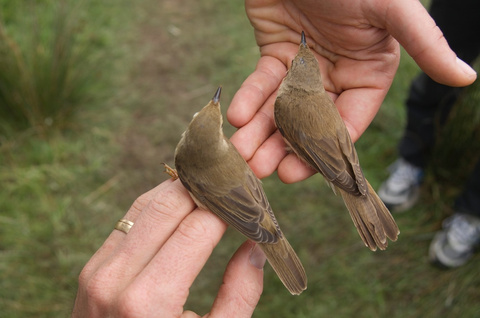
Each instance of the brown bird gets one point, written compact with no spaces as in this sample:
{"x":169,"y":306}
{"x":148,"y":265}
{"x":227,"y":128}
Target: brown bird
{"x":311,"y":126}
{"x":220,"y":180}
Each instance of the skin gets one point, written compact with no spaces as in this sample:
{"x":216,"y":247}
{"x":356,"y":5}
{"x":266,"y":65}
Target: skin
{"x":148,"y":272}
{"x":125,"y":278}
{"x":357,"y":45}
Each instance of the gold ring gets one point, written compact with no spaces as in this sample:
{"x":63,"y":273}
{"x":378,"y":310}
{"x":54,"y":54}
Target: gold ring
{"x":124,"y":225}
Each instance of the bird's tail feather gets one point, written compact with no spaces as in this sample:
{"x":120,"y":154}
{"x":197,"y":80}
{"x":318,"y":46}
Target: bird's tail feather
{"x":286,"y":264}
{"x":371,"y":217}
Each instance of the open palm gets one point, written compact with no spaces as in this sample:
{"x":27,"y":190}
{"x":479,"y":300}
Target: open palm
{"x":357,"y":46}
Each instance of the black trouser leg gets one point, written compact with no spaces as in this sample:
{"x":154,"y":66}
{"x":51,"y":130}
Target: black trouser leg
{"x":429,"y":103}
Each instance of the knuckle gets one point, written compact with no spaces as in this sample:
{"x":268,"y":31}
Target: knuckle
{"x":195,"y":227}
{"x":97,"y":289}
{"x":141,"y":202}
{"x":168,"y":204}
{"x":135,"y":301}
{"x":247,"y":299}
{"x":85,"y":275}
{"x":265,"y":117}
{"x":131,"y":304}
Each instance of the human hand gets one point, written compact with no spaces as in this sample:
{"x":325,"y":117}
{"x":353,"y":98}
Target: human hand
{"x":357,"y":46}
{"x":148,"y":272}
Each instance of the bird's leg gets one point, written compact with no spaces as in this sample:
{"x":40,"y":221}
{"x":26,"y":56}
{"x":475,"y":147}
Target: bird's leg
{"x":170,"y":171}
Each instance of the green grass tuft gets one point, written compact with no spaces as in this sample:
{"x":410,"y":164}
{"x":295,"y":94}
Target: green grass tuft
{"x":47,"y":67}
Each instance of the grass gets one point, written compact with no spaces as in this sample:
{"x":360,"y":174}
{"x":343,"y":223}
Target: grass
{"x":61,"y":194}
{"x":41,"y":81}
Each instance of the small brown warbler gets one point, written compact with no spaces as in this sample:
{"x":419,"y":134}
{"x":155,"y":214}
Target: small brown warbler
{"x":220,"y":180}
{"x":312,"y":127}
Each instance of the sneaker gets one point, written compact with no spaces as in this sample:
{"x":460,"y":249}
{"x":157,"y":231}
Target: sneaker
{"x":455,"y":244}
{"x":402,"y":189}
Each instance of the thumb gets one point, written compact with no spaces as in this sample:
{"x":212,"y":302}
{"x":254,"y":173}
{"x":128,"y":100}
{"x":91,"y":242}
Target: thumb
{"x":242,"y":283}
{"x":425,"y":43}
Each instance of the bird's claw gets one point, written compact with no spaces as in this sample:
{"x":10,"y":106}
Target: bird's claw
{"x":170,"y":171}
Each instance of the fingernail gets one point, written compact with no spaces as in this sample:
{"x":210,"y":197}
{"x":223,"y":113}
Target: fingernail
{"x":467,"y":69}
{"x":257,"y":257}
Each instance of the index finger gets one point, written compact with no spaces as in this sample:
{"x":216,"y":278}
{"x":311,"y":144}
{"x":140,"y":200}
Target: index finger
{"x":255,"y":90}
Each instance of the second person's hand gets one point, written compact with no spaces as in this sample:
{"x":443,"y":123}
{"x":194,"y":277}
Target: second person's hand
{"x":357,"y":46}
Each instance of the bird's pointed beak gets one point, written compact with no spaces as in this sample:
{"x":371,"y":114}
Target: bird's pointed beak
{"x":216,"y":97}
{"x":303,"y":41}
